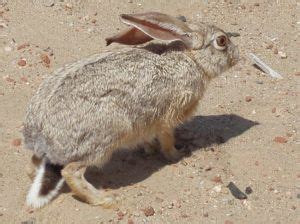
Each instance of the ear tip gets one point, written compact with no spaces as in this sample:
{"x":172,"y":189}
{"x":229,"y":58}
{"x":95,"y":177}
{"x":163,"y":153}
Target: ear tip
{"x":124,"y":16}
{"x":108,"y":41}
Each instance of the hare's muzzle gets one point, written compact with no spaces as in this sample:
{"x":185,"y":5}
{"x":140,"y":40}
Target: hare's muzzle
{"x":234,"y":55}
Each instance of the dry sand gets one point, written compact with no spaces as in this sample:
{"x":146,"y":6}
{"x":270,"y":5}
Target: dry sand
{"x":232,"y":138}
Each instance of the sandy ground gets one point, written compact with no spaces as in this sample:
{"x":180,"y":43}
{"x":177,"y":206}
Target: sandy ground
{"x":246,"y":130}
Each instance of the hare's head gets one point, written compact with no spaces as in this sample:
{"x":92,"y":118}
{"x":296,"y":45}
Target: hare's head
{"x":209,"y":46}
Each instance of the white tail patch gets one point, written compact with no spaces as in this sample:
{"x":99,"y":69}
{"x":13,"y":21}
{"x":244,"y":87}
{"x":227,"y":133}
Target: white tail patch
{"x":34,"y":198}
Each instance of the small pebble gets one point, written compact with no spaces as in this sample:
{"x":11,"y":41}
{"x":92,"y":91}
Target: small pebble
{"x":248,"y":98}
{"x":248,"y":190}
{"x":9,"y":79}
{"x":273,"y":110}
{"x":149,"y":211}
{"x":282,"y":54}
{"x":48,"y":3}
{"x":298,"y":196}
{"x":217,"y":188}
{"x":30,"y":221}
{"x":7,"y":49}
{"x":217,"y":179}
{"x":280,"y":139}
{"x":269,"y":46}
{"x":22,"y":62}
{"x":22,"y":46}
{"x":130,"y":221}
{"x":46,"y":60}
{"x":235,"y":191}
{"x":228,"y":222}
{"x":205,"y":214}
{"x":16,"y":142}
{"x":120,"y":215}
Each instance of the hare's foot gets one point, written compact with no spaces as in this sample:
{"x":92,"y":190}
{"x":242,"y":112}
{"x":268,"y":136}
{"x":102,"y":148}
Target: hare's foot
{"x":74,"y":176}
{"x":32,"y":167}
{"x":151,"y":148}
{"x":173,"y":154}
{"x":167,"y":142}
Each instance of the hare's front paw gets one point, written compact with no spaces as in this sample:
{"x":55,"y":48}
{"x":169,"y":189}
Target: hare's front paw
{"x":173,"y":154}
{"x":151,"y":148}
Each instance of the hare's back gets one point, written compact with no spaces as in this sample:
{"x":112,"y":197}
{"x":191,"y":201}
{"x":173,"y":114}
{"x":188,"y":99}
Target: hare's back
{"x":90,"y":103}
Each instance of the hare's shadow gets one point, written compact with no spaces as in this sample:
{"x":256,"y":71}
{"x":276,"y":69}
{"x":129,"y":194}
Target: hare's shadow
{"x":127,"y":168}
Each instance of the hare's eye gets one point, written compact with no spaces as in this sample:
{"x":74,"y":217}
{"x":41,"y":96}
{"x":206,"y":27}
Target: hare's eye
{"x":220,"y":42}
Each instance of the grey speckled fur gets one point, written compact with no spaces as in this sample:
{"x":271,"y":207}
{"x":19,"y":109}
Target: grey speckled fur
{"x":82,"y":111}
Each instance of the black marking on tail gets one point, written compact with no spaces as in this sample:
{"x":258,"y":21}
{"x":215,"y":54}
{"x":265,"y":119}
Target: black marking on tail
{"x":50,"y":179}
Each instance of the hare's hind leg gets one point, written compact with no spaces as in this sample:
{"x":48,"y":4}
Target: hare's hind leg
{"x":31,"y":168}
{"x":74,"y":176}
{"x":167,"y":142}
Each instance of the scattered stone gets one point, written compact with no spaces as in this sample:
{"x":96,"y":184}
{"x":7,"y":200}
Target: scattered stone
{"x":69,"y":6}
{"x":259,"y":82}
{"x":120,"y":215}
{"x":269,"y":46}
{"x":3,"y":25}
{"x":182,"y":18}
{"x":228,"y":222}
{"x":149,"y":211}
{"x":130,"y":221}
{"x":22,"y":62}
{"x":24,"y":79}
{"x":48,"y":3}
{"x":297,"y":74}
{"x":280,"y":139}
{"x":22,"y":46}
{"x":205,"y":214}
{"x":298,"y":196}
{"x":176,"y":203}
{"x":248,"y":98}
{"x":274,"y":110}
{"x":16,"y":142}
{"x":29,"y":221}
{"x":275,"y":50}
{"x":159,"y":200}
{"x":256,"y":4}
{"x":217,"y":188}
{"x":236,"y":192}
{"x":282,"y":54}
{"x":217,"y":179}
{"x":208,"y":168}
{"x":248,"y":190}
{"x":94,"y":21}
{"x":45,"y":60}
{"x":7,"y":49}
{"x":9,"y":79}
{"x":184,"y":216}
{"x":184,"y":163}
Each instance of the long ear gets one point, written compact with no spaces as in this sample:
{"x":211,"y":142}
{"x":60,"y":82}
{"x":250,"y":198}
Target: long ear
{"x":130,"y":36}
{"x":158,"y":26}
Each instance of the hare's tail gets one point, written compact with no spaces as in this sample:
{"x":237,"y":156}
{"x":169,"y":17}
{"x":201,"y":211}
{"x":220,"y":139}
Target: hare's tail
{"x":46,"y":185}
